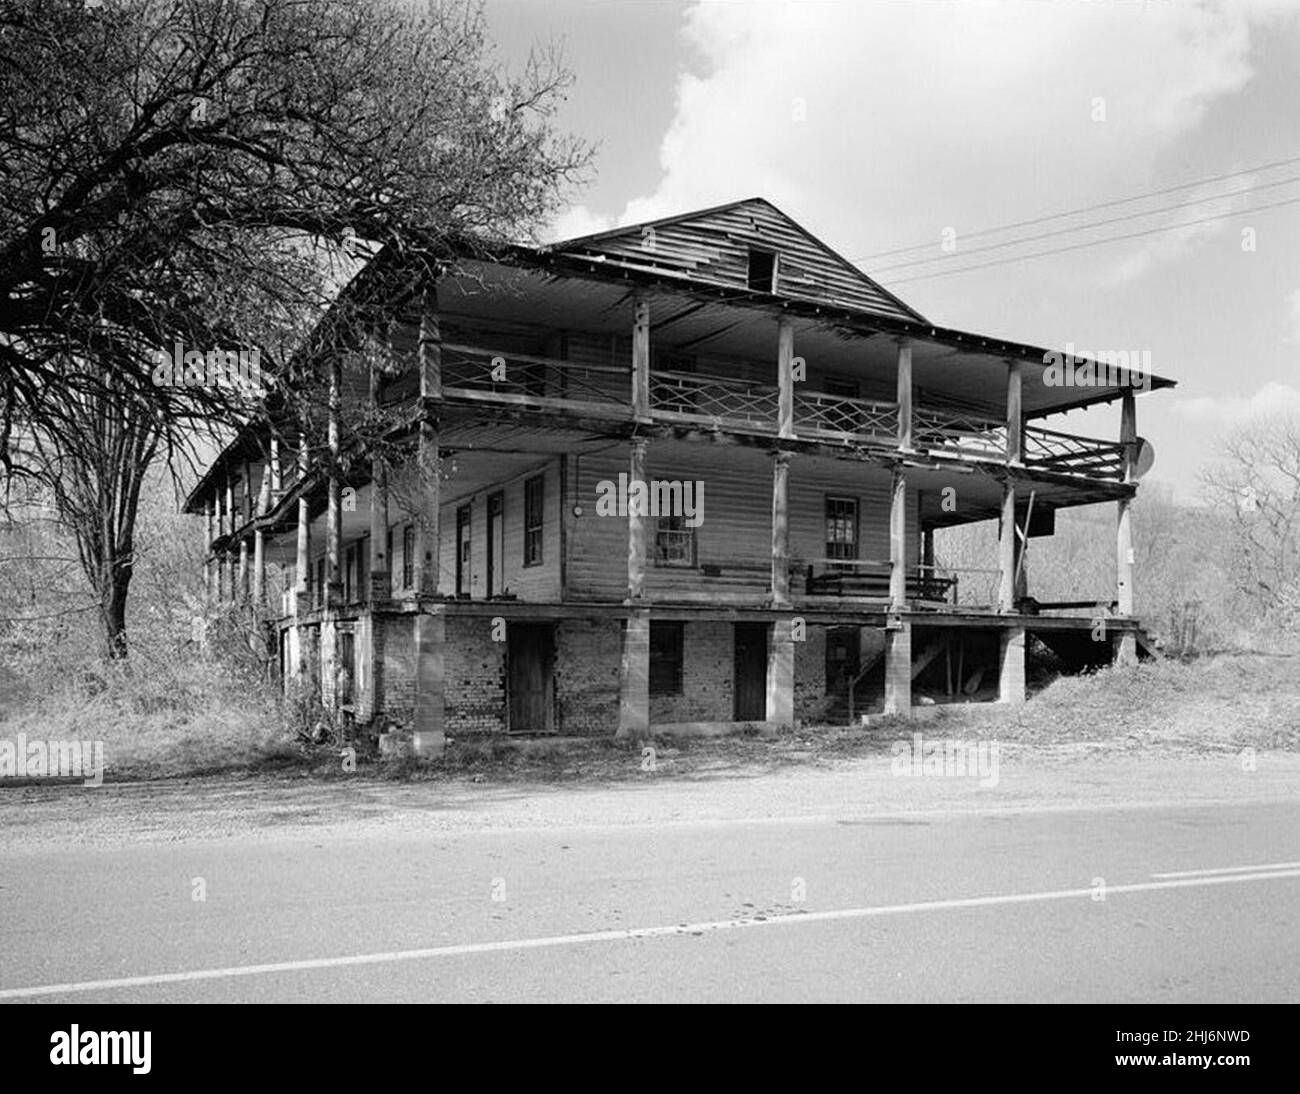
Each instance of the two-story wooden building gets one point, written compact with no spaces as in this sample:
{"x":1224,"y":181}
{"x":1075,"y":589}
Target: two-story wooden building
{"x":821,"y":430}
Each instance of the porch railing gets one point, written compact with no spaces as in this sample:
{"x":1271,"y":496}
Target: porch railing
{"x":1070,"y":454}
{"x":522,"y":377}
{"x":819,"y":414}
{"x":958,"y":433}
{"x":716,"y":399}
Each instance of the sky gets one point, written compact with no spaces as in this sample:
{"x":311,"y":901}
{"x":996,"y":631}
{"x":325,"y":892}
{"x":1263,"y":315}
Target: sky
{"x":888,"y":124}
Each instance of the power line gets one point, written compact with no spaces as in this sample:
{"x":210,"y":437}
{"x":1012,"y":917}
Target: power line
{"x":1089,"y":208}
{"x":1092,"y":243}
{"x":1088,"y":227}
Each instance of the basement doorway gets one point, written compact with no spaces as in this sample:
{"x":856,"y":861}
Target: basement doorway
{"x":530,"y":678}
{"x":750,"y":672}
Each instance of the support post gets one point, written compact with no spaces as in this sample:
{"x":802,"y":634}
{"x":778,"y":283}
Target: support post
{"x":780,"y":676}
{"x":785,"y":377}
{"x":428,"y":522}
{"x":1126,"y":642}
{"x":1015,"y":413}
{"x":210,"y":574}
{"x":334,"y":504}
{"x":1011,"y":665}
{"x":302,"y":557}
{"x":429,"y":351}
{"x":898,"y":668}
{"x":640,"y":357}
{"x":259,"y":541}
{"x":780,"y":530}
{"x":898,"y":541}
{"x":636,"y":526}
{"x":1007,"y":549}
{"x":429,"y":736}
{"x":634,"y":677}
{"x":905,"y":395}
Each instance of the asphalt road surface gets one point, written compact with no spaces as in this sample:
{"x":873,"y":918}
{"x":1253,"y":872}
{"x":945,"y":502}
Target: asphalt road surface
{"x":1144,"y":904}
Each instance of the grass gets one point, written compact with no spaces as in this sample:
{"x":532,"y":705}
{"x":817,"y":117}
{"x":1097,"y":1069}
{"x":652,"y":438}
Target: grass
{"x":188,"y":720}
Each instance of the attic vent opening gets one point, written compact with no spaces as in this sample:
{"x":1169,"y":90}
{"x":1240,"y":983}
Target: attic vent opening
{"x":762,"y":270}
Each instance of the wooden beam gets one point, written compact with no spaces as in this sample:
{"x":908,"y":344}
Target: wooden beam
{"x":905,"y":395}
{"x":640,"y":357}
{"x":1007,"y":549}
{"x":1126,"y":642}
{"x":785,"y":377}
{"x":636,"y":525}
{"x":898,"y":541}
{"x":428,"y":522}
{"x":780,"y":529}
{"x":302,"y":558}
{"x":334,"y":504}
{"x":429,"y":350}
{"x":1015,"y":413}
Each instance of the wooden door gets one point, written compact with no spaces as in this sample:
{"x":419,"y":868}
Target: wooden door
{"x":530,"y":654}
{"x":750,"y":680}
{"x":496,"y":544}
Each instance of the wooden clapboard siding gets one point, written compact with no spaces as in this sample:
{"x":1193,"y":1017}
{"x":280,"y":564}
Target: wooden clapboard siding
{"x":736,"y":532}
{"x":812,"y":480}
{"x":712,"y":246}
{"x":540,"y":582}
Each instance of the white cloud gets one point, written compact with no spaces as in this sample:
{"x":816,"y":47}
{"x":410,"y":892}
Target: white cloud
{"x":878,"y":125}
{"x":1228,"y":410}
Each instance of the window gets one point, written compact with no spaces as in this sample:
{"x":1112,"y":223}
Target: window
{"x":408,"y":556}
{"x":841,"y":528}
{"x":762,"y":270}
{"x":534,"y":510}
{"x":464,"y":544}
{"x":350,"y":575}
{"x":674,"y":542}
{"x":666,"y":658}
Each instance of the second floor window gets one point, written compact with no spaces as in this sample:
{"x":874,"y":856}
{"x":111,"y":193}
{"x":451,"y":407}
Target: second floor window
{"x":841,"y":528}
{"x":674,"y":542}
{"x":534,"y":514}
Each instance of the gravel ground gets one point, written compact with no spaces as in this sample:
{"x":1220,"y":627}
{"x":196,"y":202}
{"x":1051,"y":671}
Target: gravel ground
{"x":683,"y":788}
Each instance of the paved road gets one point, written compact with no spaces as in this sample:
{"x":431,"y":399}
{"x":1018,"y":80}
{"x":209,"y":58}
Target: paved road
{"x":1201,"y":904}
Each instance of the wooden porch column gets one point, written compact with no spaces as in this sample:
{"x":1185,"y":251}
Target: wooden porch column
{"x":1007,"y":549}
{"x":334,"y":502}
{"x":634,"y":667}
{"x":1126,"y":643}
{"x":210,"y":574}
{"x":230,"y":531}
{"x":259,"y":540}
{"x":927,"y":549}
{"x":429,"y":350}
{"x":636,"y":525}
{"x":898,"y":541}
{"x":640,"y":357}
{"x":1015,"y":413}
{"x":302,"y":558}
{"x":380,"y":576}
{"x":780,"y":530}
{"x":428,"y":527}
{"x":905,"y":394}
{"x":242,"y":587}
{"x":785,"y":377}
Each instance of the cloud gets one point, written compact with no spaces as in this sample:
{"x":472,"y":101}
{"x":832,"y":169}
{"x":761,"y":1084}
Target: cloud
{"x":1228,"y":410}
{"x":878,"y":125}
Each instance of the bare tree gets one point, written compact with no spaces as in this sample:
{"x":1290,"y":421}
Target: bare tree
{"x":201,"y":176}
{"x":1255,"y":486}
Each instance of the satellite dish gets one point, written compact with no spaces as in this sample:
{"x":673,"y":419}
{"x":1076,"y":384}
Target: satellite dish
{"x":1144,"y":458}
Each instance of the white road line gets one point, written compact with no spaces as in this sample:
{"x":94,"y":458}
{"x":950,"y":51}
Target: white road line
{"x":624,"y":935}
{"x":1208,"y":872}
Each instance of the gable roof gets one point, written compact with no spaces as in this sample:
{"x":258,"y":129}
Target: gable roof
{"x":712,"y":246}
